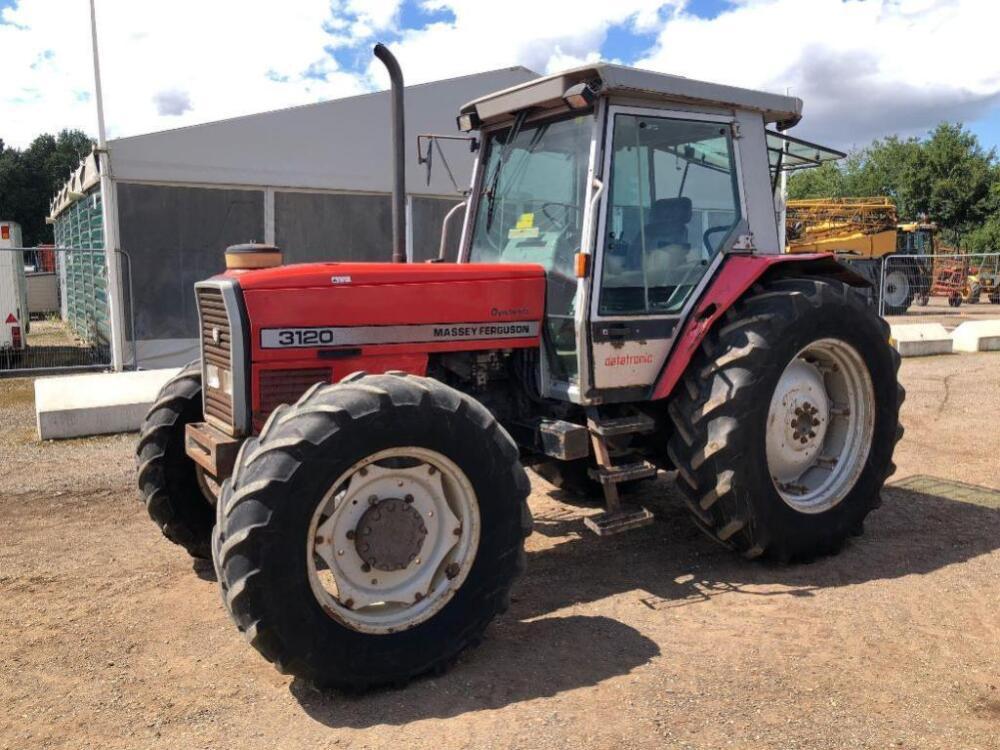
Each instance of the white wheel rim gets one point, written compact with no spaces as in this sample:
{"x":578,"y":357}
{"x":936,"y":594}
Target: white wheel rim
{"x":897,"y":287}
{"x":414,"y":507}
{"x":820,"y":425}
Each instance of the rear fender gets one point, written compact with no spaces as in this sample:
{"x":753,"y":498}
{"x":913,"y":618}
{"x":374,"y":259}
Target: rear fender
{"x":737,"y":274}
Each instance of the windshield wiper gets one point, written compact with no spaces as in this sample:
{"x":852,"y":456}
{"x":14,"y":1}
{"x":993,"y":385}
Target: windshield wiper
{"x":494,"y":179}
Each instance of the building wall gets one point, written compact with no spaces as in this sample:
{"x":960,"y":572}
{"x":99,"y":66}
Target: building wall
{"x":176,"y":236}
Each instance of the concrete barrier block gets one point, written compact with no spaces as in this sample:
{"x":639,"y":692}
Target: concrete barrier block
{"x":96,"y":403}
{"x":977,"y":336}
{"x":920,"y":339}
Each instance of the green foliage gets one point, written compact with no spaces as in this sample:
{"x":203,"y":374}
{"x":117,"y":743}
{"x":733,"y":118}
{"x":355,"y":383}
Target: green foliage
{"x":947,"y":176}
{"x":30,"y":177}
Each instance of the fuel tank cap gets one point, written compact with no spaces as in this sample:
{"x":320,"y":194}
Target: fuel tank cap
{"x":252,"y":255}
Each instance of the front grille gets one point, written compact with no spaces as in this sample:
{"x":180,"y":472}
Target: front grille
{"x":216,"y":349}
{"x":284,"y":387}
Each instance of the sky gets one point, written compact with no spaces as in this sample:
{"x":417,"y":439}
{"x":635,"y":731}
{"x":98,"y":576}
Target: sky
{"x":864,"y":68}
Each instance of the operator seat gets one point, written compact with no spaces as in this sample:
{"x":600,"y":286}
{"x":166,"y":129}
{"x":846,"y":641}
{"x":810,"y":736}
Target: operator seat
{"x":668,"y":223}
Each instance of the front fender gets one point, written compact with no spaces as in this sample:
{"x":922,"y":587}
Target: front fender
{"x":737,"y":274}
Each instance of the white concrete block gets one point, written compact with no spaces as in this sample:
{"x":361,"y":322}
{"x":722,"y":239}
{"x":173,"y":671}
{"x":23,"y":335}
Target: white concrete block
{"x":96,"y":403}
{"x":977,"y":336}
{"x":920,"y":339}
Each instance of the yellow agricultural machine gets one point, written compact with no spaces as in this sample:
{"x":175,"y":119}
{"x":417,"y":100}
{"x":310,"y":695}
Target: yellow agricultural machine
{"x":863,"y":231}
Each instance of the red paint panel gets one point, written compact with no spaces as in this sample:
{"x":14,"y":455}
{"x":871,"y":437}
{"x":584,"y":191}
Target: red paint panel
{"x":485,"y":301}
{"x":736,"y":275}
{"x":322,"y":275}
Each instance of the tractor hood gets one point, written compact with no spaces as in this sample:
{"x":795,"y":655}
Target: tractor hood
{"x":350,"y":316}
{"x":330,"y":275}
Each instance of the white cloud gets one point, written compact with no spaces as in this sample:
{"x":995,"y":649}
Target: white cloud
{"x":227,"y":57}
{"x":864,"y":69}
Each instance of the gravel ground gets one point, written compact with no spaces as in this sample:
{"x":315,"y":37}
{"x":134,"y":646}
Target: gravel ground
{"x":113,"y":639}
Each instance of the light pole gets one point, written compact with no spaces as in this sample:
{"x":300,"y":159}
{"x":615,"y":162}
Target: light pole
{"x":109,"y":217}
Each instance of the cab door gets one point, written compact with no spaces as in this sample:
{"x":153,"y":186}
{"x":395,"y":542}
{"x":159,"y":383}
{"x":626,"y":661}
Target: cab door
{"x":673,"y":202}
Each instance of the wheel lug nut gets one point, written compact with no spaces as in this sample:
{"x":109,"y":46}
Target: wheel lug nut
{"x":452,"y":570}
{"x":372,"y":499}
{"x":804,"y":440}
{"x":408,"y":498}
{"x":350,"y":533}
{"x":365,"y":567}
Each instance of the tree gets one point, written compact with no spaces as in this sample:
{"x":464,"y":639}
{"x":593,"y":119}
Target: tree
{"x":30,"y":177}
{"x":948,"y":176}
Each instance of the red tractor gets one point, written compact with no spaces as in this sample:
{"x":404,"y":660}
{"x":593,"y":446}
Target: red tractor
{"x":350,"y":449}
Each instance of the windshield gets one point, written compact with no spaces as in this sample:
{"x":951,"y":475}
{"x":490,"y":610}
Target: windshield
{"x":530,"y":210}
{"x":530,"y":206}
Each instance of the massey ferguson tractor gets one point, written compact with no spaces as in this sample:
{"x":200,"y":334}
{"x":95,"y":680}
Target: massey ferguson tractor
{"x":350,"y":450}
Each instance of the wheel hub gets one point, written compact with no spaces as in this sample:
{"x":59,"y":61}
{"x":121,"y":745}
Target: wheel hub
{"x":801,"y":404}
{"x":390,"y":534}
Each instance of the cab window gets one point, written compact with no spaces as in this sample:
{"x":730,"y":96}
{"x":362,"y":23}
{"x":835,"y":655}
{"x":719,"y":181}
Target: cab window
{"x":673,"y":201}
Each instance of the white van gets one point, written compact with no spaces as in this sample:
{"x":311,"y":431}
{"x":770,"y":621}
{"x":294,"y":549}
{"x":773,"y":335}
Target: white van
{"x":13,"y":292}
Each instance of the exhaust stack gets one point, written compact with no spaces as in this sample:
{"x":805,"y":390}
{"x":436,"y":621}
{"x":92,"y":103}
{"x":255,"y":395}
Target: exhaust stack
{"x":398,"y":154}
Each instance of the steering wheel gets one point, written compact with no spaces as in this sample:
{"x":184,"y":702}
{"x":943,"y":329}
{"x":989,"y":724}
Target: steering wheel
{"x":714,"y":230}
{"x":567,"y":207}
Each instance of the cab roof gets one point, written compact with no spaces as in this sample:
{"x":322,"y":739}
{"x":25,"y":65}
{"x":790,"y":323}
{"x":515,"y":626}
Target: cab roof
{"x":608,"y":79}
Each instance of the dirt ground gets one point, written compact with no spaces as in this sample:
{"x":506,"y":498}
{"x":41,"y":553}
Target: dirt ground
{"x":112,"y":639}
{"x":51,"y":333}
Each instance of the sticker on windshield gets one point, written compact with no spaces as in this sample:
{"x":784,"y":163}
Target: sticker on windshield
{"x":523,"y":234}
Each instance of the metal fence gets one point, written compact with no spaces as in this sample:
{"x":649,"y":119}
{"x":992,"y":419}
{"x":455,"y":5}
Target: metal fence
{"x":939,"y":284}
{"x":54,"y":309}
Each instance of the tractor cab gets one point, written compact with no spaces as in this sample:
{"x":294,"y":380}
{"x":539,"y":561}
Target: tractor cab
{"x":629,"y":187}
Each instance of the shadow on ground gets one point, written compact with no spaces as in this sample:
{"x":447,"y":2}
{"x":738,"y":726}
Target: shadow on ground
{"x":924,"y":524}
{"x":519,"y":661}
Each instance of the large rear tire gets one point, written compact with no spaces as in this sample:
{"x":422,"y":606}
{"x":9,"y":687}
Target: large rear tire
{"x":329,"y":542}
{"x":174,"y":494}
{"x":786,"y":421}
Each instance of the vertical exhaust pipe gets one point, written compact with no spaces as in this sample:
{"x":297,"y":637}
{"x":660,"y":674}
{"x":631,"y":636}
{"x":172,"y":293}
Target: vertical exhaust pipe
{"x":398,"y":154}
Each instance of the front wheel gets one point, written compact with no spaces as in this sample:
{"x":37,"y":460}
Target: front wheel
{"x":787,"y":420}
{"x":373,"y":531}
{"x":176,"y":492}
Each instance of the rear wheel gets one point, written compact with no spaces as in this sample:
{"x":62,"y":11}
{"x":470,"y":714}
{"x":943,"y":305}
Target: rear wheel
{"x":898,"y":290}
{"x":177,"y":495}
{"x":787,"y":420}
{"x":373,"y":531}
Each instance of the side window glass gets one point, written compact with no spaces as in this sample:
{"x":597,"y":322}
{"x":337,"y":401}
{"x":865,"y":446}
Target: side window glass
{"x":673,"y":201}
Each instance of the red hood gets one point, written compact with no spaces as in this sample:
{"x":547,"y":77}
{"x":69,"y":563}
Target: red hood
{"x":325,"y":275}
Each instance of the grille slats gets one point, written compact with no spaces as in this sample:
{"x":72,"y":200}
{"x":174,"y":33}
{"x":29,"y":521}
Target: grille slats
{"x":286,"y":386}
{"x":212,"y":309}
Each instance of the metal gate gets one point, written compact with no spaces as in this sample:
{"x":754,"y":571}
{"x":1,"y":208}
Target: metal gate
{"x":939,"y":284}
{"x":54,"y":309}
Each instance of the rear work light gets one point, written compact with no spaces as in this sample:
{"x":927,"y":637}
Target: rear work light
{"x":15,"y":335}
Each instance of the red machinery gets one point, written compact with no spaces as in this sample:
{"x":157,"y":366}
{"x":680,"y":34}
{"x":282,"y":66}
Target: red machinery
{"x":350,"y":449}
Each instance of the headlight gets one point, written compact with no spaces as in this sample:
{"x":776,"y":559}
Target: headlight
{"x":219,"y":379}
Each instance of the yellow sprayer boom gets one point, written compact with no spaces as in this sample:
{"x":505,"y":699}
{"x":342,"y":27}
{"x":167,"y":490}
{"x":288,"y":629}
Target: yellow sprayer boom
{"x":864,"y":227}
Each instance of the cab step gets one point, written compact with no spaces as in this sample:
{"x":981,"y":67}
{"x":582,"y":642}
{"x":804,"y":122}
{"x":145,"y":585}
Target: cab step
{"x":623,"y":472}
{"x":626,"y":518}
{"x":628,"y":425}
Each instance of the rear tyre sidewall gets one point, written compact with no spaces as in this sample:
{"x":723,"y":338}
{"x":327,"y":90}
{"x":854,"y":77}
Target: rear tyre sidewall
{"x":803,"y":534}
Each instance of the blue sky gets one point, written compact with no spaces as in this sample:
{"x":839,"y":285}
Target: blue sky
{"x":862,"y":67}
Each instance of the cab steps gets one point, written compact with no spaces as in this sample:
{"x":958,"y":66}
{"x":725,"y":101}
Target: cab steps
{"x":615,"y":466}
